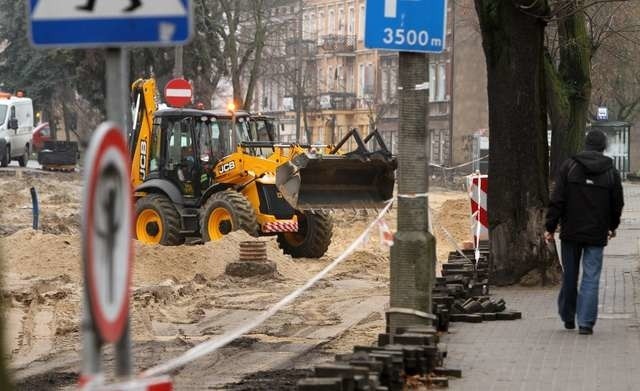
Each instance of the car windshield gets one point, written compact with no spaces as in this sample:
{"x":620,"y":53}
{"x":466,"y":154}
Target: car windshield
{"x":3,"y":114}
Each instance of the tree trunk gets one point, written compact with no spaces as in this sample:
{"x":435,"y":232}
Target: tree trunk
{"x":569,"y":86}
{"x":513,"y":39}
{"x":259,"y":39}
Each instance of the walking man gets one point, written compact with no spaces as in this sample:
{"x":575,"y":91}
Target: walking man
{"x":587,"y":201}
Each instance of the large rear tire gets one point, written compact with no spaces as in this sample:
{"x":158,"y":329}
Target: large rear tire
{"x":157,"y":221}
{"x":312,"y":240}
{"x":225,"y":212}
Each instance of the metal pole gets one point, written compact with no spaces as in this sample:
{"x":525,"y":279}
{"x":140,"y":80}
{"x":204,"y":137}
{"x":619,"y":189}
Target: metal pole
{"x":35,"y":207}
{"x":178,"y":68}
{"x":413,"y":253}
{"x":117,"y":87}
{"x":91,"y":344}
{"x":117,"y":111}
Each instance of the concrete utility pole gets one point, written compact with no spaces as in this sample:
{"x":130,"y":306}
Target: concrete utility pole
{"x":413,"y":253}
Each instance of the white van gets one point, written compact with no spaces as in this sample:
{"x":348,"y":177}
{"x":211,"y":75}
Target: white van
{"x":16,"y":126}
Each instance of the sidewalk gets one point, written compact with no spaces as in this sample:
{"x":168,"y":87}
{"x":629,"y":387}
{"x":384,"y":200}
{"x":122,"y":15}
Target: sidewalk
{"x":537,"y":353}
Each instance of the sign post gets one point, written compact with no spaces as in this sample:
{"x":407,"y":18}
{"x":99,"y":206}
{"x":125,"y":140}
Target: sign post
{"x":412,"y":27}
{"x":107,"y":247}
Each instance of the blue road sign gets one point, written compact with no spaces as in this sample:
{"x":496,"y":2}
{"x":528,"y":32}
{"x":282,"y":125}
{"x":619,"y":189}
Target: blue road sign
{"x":109,"y":23}
{"x":406,"y":25}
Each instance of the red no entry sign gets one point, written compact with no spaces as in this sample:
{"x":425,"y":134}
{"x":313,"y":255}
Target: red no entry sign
{"x":178,"y":93}
{"x":107,"y":248}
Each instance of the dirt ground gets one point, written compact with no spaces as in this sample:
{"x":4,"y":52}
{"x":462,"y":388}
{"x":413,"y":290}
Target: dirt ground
{"x":181,"y":295}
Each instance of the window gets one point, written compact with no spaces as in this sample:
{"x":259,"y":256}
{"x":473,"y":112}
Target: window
{"x":321,"y":22}
{"x":341,"y":21}
{"x":384,"y":80}
{"x":393,"y":80}
{"x":312,"y":24}
{"x":340,"y":78}
{"x":442,"y":82}
{"x":321,"y":81}
{"x":361,"y":21}
{"x":330,"y":78}
{"x":156,"y":144}
{"x":432,"y":82}
{"x":180,"y":143}
{"x":350,"y":80}
{"x":332,"y":21}
{"x":352,"y":21}
{"x":361,"y":80}
{"x":3,"y":114}
{"x":369,"y":79}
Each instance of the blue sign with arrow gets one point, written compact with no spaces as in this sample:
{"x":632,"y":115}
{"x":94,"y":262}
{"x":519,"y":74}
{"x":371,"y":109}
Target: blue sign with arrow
{"x":109,"y":23}
{"x":406,"y":25}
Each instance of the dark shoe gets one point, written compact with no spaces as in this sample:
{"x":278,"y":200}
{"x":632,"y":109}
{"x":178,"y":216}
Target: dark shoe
{"x":585,"y":330}
{"x":569,"y":325}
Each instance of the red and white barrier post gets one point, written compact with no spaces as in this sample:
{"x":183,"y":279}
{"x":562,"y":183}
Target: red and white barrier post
{"x":478,"y":185}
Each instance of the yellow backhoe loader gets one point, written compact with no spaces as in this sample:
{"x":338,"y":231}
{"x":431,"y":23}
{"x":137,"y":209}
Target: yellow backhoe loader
{"x":200,"y":173}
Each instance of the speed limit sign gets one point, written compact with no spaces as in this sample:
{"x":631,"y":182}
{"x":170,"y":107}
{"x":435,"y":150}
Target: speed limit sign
{"x":107,"y":217}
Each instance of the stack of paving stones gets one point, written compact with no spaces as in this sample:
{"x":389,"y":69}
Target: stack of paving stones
{"x":413,"y":356}
{"x":462,"y":293}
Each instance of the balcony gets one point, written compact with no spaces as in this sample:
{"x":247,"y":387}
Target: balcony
{"x":338,"y":43}
{"x":439,"y":108}
{"x":306,"y":48}
{"x":337,"y":101}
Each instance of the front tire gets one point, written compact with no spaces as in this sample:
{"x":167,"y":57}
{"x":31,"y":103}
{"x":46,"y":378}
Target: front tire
{"x":312,"y":240}
{"x":6,"y":157}
{"x":157,"y":221}
{"x":225,"y":212}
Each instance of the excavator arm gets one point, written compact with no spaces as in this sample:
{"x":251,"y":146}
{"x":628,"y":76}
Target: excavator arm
{"x":143,"y":93}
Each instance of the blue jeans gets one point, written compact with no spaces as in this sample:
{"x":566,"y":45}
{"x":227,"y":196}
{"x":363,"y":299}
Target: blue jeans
{"x":583,"y":303}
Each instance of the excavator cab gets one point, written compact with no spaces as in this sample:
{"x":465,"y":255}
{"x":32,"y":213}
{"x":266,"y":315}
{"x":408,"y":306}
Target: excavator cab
{"x":185,"y":146}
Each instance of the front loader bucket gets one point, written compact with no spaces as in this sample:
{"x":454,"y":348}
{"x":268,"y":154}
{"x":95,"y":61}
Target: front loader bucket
{"x":336,"y":181}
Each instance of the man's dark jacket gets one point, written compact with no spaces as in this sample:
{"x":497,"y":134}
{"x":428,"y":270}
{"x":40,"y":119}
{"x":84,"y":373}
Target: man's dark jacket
{"x":587,"y":199}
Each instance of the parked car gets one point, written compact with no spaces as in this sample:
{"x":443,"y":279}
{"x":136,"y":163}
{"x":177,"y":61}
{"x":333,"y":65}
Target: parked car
{"x":16,"y":125}
{"x":40,"y":134}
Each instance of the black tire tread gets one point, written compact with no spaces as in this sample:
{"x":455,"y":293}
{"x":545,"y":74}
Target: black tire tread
{"x":168,"y":214}
{"x":318,"y":238}
{"x":6,"y":157}
{"x":238,"y":205}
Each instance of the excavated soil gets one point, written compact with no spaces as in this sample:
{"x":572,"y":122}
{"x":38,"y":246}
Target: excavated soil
{"x":178,"y":290}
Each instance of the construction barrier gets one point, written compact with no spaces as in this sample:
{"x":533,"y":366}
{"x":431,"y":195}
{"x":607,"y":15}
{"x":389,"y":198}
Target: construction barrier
{"x":477,"y":185}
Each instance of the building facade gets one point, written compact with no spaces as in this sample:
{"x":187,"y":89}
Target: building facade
{"x":324,"y":77}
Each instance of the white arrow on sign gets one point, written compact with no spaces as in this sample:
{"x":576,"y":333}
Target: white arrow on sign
{"x":390,"y":8}
{"x":105,"y":9}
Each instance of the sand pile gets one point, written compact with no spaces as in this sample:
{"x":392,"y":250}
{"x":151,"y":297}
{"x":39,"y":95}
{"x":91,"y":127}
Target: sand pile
{"x":34,"y":253}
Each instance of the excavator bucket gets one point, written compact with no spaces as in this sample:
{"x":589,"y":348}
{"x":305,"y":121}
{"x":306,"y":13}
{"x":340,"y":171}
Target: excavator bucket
{"x":310,"y":181}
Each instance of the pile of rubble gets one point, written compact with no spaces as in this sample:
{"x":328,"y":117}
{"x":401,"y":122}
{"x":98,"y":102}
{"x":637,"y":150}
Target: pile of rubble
{"x":414,"y":356}
{"x":462,"y":293}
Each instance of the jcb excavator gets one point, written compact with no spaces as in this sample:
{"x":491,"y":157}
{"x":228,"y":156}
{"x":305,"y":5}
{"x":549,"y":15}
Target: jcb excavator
{"x":199,"y":173}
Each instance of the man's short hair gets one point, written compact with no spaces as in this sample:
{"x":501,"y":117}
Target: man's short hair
{"x":596,"y":140}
